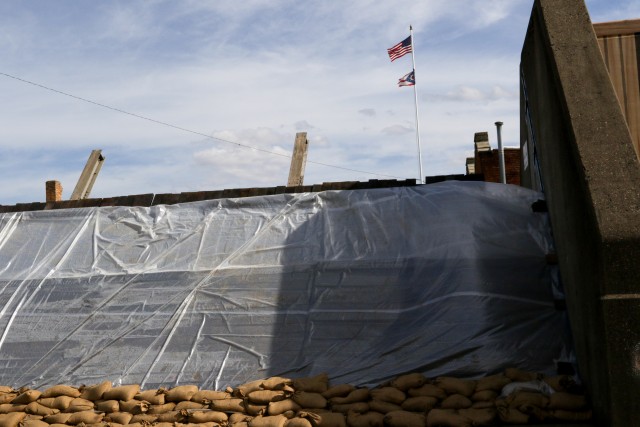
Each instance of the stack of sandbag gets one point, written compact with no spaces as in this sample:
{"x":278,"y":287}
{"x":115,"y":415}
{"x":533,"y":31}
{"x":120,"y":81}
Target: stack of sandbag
{"x":411,"y":400}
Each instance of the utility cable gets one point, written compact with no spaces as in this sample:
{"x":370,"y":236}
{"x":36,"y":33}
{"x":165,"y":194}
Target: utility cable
{"x":119,"y":110}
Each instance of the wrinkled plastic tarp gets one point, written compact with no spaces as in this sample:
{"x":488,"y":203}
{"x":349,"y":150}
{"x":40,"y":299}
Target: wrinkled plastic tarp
{"x":444,"y":279}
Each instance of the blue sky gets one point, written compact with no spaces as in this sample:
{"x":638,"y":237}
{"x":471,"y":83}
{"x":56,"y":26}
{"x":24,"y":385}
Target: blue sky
{"x":253,"y":72}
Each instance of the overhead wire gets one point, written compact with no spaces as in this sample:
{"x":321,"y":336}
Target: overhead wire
{"x":246,"y":146}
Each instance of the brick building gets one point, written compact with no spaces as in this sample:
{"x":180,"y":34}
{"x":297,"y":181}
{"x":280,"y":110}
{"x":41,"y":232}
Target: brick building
{"x":486,"y":162}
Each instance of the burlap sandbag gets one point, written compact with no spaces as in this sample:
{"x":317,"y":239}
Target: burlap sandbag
{"x":428,"y":390}
{"x":27,"y":397}
{"x":37,"y":409}
{"x":133,"y":406}
{"x":309,"y":400}
{"x":95,"y":392}
{"x":153,"y":396}
{"x":170,"y":417}
{"x":268,"y":421}
{"x":340,"y":390}
{"x":408,"y":381}
{"x":575,"y":416}
{"x":7,"y":397}
{"x":161,"y":409}
{"x":107,"y":406}
{"x":61,"y":390}
{"x":315,"y":384}
{"x":456,"y":401}
{"x":33,"y":423}
{"x":518,"y":375}
{"x":240,"y":424}
{"x":33,"y":417}
{"x":359,"y":407}
{"x":484,"y":396}
{"x":207,"y":417}
{"x":263,"y":397}
{"x":187,"y":404}
{"x":227,"y":405}
{"x":388,"y":394}
{"x":206,"y":396}
{"x":383,"y":407}
{"x":119,"y":417}
{"x":492,"y":382}
{"x":12,"y":419}
{"x":255,"y":409}
{"x":330,"y":419}
{"x":560,"y":382}
{"x":510,"y":415}
{"x":480,"y":417}
{"x":6,"y":408}
{"x":483,"y":405}
{"x":60,"y":418}
{"x":65,"y":425}
{"x":368,"y":419}
{"x":143,"y":418}
{"x":157,"y":424}
{"x":456,"y":385}
{"x":357,"y":395}
{"x":282,"y":406}
{"x":296,"y":422}
{"x":447,"y":418}
{"x":276,"y":383}
{"x":419,"y":404}
{"x":246,"y":388}
{"x":404,"y":419}
{"x":79,"y":404}
{"x":239,"y":418}
{"x":124,"y":392}
{"x":60,"y":402}
{"x":567,"y":401}
{"x":6,"y":389}
{"x":521,"y":398}
{"x":86,"y":417}
{"x":181,"y":393}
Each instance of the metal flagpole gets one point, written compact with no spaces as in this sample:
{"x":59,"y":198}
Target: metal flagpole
{"x":415,"y":93}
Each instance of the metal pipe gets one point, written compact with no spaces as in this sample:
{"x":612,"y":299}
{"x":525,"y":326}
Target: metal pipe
{"x":503,"y":175}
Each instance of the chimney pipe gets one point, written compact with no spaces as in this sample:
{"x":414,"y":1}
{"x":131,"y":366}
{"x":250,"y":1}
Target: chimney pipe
{"x":503,"y":176}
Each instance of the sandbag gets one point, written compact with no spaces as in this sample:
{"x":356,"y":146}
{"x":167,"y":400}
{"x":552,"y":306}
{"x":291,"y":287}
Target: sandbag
{"x":269,"y":421}
{"x":157,"y":424}
{"x":560,"y":382}
{"x":37,"y":409}
{"x":86,"y":417}
{"x":428,"y":390}
{"x":405,"y":382}
{"x":282,"y":406}
{"x":5,"y":408}
{"x":345,"y":408}
{"x":205,"y":396}
{"x":388,"y":394}
{"x":6,"y":389}
{"x":143,"y":419}
{"x":276,"y":383}
{"x":239,"y":418}
{"x":107,"y":406}
{"x":483,"y":405}
{"x":119,"y":417}
{"x":518,"y":375}
{"x":357,"y":395}
{"x":330,"y":419}
{"x":124,"y":392}
{"x":161,"y":409}
{"x":521,"y":398}
{"x":447,"y":418}
{"x":316,"y":384}
{"x":207,"y":417}
{"x":94,"y":392}
{"x":187,"y":404}
{"x":7,"y":397}
{"x":181,"y":393}
{"x":309,"y":400}
{"x":133,"y":406}
{"x":419,"y":404}
{"x":12,"y":419}
{"x":61,"y":390}
{"x":154,"y":396}
{"x":368,"y":419}
{"x":246,"y":388}
{"x":227,"y":405}
{"x":567,"y":401}
{"x":493,"y":382}
{"x":456,"y":401}
{"x":263,"y":397}
{"x":60,"y":402}
{"x":340,"y":390}
{"x":511,"y":415}
{"x":562,"y":415}
{"x":484,"y":396}
{"x":255,"y":409}
{"x":79,"y":404}
{"x":60,"y":418}
{"x":383,"y":407}
{"x":456,"y":385}
{"x":33,"y":423}
{"x":297,"y":422}
{"x":404,"y":419}
{"x":170,"y":417}
{"x":27,"y":397}
{"x":480,"y":417}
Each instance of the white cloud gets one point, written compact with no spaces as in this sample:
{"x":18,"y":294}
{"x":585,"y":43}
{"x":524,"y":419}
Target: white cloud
{"x":369,"y":112}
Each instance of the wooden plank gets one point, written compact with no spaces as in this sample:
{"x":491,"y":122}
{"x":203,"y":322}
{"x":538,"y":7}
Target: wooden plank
{"x":88,"y":176}
{"x":632,"y":83}
{"x":616,"y":28}
{"x":298,"y":160}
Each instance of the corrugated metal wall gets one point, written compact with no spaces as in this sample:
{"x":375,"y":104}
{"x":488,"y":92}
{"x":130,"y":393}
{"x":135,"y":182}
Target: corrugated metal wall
{"x":620,"y":46}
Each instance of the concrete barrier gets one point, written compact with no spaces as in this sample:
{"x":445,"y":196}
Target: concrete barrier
{"x":579,"y":151}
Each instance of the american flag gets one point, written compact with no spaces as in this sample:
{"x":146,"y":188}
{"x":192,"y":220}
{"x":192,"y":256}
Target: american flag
{"x":408,"y":79}
{"x":400,"y":49}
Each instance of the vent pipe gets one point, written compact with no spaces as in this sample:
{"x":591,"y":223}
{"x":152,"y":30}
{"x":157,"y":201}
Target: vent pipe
{"x":503,"y":175}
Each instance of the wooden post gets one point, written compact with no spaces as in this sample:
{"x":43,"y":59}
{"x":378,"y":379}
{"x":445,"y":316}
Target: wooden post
{"x":88,"y":176}
{"x":298,"y":160}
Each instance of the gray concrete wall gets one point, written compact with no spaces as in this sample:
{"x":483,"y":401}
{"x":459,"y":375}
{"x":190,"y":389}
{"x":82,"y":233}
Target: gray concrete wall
{"x":591,"y":178}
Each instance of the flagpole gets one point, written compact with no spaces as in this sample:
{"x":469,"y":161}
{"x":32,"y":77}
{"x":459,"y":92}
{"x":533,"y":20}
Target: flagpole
{"x":415,"y":94}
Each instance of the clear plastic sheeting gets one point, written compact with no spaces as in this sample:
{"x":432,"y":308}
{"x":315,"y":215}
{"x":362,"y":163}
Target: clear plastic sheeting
{"x":444,"y":279}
